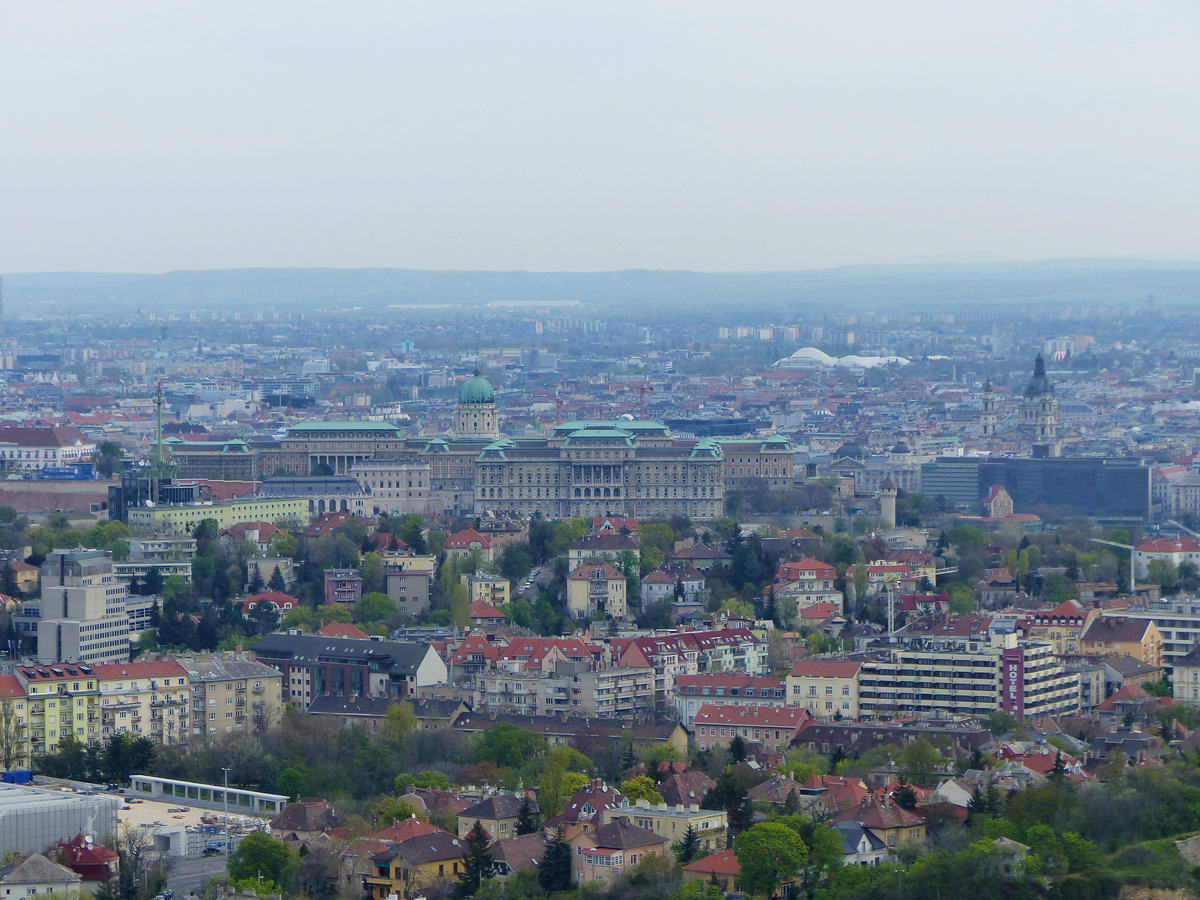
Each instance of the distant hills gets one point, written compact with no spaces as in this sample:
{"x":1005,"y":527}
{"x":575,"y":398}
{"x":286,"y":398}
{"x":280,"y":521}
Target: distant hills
{"x":924,"y":285}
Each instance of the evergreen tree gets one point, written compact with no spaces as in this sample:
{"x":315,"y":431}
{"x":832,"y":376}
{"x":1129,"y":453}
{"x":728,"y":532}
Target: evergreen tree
{"x":977,"y":805}
{"x":689,"y":846}
{"x":256,"y":584}
{"x":153,"y":583}
{"x":478,"y":862}
{"x":737,"y":749}
{"x":554,"y":874}
{"x":791,"y":804}
{"x":8,"y":581}
{"x":526,"y":824}
{"x":277,"y":583}
{"x":838,"y":754}
{"x":1058,"y":771}
{"x":905,"y":796}
{"x":741,"y":816}
{"x":155,"y":615}
{"x":628,"y":758}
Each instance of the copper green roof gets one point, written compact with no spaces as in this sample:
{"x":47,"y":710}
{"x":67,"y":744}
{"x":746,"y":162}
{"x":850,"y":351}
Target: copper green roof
{"x":476,"y":389}
{"x":617,"y":424}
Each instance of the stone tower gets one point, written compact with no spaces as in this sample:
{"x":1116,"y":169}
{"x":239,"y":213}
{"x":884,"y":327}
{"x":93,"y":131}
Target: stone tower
{"x":476,"y":416}
{"x":1039,"y":412}
{"x":887,"y":502}
{"x":987,"y":413}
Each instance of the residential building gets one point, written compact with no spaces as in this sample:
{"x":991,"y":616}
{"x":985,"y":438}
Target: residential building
{"x":61,"y":700}
{"x":567,"y":729}
{"x":771,"y":726}
{"x":497,"y":813}
{"x":721,"y":869}
{"x":890,"y":823}
{"x":14,"y":724}
{"x":81,"y":615}
{"x":1178,"y":622}
{"x":146,"y":699}
{"x":343,"y":586}
{"x":484,"y":587}
{"x":1185,"y":677}
{"x":607,"y":546}
{"x":691,"y":652}
{"x":410,"y":867}
{"x":1113,"y":635}
{"x":806,"y":582}
{"x":828,"y":688}
{"x":596,"y":589}
{"x":408,"y":580}
{"x":602,"y":854}
{"x":36,"y":876}
{"x":672,"y":822}
{"x":615,"y":692}
{"x":232,"y":693}
{"x":264,"y":567}
{"x":468,"y":541}
{"x":675,"y":580}
{"x":694,"y":691}
{"x":314,"y":666}
{"x":1063,"y":626}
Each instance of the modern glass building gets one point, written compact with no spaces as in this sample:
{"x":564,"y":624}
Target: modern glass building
{"x":210,"y":796}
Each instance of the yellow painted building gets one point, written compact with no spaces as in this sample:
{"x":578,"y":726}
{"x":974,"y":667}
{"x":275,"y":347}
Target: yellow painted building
{"x":61,"y":700}
{"x":232,"y":693}
{"x":414,"y":865}
{"x":148,"y":699}
{"x":825,"y":687}
{"x":14,"y":721}
{"x":1124,"y":636}
{"x":596,"y":588}
{"x":184,"y":518}
{"x":672,"y":821}
{"x":486,"y":588}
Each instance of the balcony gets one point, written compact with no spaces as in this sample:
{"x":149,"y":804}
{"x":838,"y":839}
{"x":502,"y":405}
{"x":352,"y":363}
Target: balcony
{"x":258,"y":689}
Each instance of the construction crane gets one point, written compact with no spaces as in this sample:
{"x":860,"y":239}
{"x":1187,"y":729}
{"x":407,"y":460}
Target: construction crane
{"x":1132,"y":550}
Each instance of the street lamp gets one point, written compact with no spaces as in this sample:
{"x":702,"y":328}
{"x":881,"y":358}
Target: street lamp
{"x":225,"y":797}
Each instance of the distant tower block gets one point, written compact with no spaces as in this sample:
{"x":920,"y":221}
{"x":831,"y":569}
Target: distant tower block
{"x":987,"y":415}
{"x":1039,"y":412}
{"x":887,"y":502}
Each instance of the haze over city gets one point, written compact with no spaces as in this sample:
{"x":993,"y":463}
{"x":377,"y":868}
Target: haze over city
{"x":144,"y":137}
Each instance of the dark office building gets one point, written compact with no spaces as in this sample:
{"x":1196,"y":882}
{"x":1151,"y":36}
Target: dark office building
{"x":1111,"y":490}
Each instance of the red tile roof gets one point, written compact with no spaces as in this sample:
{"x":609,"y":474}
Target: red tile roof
{"x":752,"y":715}
{"x":723,"y":863}
{"x":481,"y":610}
{"x":165,"y":668}
{"x":462,"y":540}
{"x":342,"y":630}
{"x":10,"y":686}
{"x":825,"y":668}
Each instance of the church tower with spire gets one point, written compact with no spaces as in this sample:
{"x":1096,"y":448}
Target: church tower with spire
{"x":1039,"y":412}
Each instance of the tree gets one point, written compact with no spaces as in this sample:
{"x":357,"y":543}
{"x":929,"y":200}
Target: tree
{"x":767,"y":853}
{"x":319,"y":871}
{"x":919,"y":762}
{"x":689,"y":846}
{"x":641,"y":788}
{"x":399,"y":723}
{"x":376,"y":607}
{"x":256,"y":584}
{"x":905,"y":796}
{"x":141,"y":873}
{"x":825,"y":848}
{"x":10,"y":734}
{"x":509,"y":745}
{"x":291,"y":781}
{"x":737,"y":749}
{"x":526,"y":821}
{"x":153,"y":583}
{"x":389,"y":809}
{"x":554,"y":874}
{"x":276,"y":582}
{"x":259,"y":855}
{"x":430,"y":779}
{"x":108,"y":458}
{"x":8,"y":581}
{"x":478,"y":862}
{"x":999,"y":723}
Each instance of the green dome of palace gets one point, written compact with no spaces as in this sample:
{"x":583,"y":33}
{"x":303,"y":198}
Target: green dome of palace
{"x":476,"y":389}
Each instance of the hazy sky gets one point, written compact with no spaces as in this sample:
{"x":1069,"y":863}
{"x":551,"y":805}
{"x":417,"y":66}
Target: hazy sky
{"x":568,"y":134}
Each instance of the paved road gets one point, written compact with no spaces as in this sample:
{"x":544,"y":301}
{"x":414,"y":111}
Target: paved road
{"x":189,"y":874}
